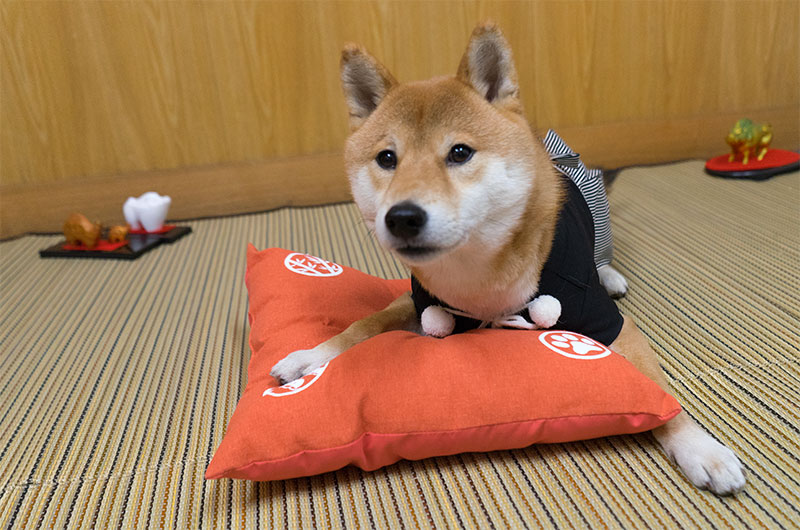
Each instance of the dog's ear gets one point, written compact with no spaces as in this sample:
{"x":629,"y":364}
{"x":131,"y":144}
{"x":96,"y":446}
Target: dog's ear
{"x":365,"y":81}
{"x":487,"y":65}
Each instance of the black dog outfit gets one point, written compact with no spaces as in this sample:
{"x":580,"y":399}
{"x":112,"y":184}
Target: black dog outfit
{"x":570,"y":273}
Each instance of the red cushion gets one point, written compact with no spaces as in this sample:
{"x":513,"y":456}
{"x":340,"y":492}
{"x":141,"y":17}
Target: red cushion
{"x":403,"y":396}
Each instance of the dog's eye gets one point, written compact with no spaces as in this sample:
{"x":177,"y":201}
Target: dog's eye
{"x":387,"y":159}
{"x":460,"y":154}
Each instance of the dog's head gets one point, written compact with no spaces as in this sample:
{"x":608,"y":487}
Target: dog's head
{"x":442,"y":165}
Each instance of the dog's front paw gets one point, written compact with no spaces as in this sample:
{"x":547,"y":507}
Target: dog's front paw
{"x":297,"y":364}
{"x":615,"y":283}
{"x":706,"y":463}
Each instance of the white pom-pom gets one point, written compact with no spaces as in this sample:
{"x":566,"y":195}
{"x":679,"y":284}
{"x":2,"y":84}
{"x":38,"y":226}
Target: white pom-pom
{"x":544,"y":311}
{"x":437,"y":322}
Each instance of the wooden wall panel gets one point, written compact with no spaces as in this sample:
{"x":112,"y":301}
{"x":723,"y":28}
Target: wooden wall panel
{"x":95,"y":89}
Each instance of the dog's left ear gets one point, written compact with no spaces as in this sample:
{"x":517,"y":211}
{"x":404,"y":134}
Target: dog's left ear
{"x":487,"y":65}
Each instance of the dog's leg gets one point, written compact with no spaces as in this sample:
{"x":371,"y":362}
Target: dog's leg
{"x":704,"y":461}
{"x":614,"y":282}
{"x":400,"y":314}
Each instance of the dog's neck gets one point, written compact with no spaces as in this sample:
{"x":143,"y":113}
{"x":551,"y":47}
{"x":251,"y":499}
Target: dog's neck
{"x":489,"y":281}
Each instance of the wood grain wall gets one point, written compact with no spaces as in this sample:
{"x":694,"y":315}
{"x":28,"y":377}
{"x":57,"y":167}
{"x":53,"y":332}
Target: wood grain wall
{"x":95,"y":89}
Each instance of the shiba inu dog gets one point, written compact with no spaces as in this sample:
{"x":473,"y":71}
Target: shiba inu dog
{"x":452,"y":180}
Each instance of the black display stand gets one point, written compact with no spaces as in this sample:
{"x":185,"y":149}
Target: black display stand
{"x":137,"y":245}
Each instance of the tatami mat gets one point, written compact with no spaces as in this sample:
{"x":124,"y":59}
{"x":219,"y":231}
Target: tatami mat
{"x":117,"y":379}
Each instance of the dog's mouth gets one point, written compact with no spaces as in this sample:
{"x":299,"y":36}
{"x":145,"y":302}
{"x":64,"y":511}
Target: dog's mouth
{"x":417,"y":253}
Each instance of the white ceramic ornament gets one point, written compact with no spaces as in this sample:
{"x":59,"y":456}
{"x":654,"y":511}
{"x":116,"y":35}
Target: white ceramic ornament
{"x":148,"y":211}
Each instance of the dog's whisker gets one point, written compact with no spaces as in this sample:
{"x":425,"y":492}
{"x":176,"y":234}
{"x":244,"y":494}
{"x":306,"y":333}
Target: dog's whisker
{"x":367,"y":234}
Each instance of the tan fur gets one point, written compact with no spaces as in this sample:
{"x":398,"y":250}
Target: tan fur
{"x":486,"y":276}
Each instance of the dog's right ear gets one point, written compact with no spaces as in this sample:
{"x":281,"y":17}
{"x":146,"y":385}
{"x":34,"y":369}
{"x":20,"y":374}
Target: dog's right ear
{"x":365,"y":81}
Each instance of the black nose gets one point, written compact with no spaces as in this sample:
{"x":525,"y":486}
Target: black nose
{"x":405,"y":220}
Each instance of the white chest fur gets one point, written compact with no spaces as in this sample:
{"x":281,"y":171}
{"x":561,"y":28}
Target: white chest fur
{"x":465,"y":283}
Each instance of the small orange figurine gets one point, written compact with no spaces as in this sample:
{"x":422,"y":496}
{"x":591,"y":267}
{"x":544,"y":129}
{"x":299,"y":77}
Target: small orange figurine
{"x":78,"y":229}
{"x":118,"y":233}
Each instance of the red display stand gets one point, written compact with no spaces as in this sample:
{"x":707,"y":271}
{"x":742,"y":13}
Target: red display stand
{"x":775,"y":162}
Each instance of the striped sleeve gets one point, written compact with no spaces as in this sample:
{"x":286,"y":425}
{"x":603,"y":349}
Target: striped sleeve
{"x":590,"y":182}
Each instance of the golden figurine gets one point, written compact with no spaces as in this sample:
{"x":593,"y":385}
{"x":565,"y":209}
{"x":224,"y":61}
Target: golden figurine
{"x":747,"y":137}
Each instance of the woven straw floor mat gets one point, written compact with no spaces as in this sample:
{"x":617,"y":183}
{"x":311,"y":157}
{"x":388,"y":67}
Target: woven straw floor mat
{"x":117,"y":379}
